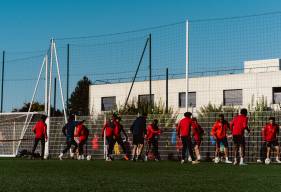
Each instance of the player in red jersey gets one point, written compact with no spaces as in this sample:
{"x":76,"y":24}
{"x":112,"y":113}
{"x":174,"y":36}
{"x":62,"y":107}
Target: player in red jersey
{"x":270,"y":133}
{"x":152,"y":136}
{"x":198,"y":133}
{"x":108,"y":131}
{"x":82,"y":132}
{"x":219,"y":132}
{"x":184,"y":132}
{"x":238,"y":126}
{"x":117,"y":136}
{"x":40,"y":130}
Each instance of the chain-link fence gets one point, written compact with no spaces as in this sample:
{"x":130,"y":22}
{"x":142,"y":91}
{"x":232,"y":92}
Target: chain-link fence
{"x":169,"y":144}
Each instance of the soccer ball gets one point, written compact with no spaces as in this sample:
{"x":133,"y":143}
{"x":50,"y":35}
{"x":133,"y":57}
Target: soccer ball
{"x":217,"y":160}
{"x":89,"y":157}
{"x":267,"y":161}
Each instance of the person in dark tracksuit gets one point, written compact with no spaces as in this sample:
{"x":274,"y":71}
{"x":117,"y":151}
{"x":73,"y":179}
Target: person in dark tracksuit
{"x":138,"y":130}
{"x":68,"y":131}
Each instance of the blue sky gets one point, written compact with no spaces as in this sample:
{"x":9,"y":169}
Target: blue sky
{"x":27,"y":26}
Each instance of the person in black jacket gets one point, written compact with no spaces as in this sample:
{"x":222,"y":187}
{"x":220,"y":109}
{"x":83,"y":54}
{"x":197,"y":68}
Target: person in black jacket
{"x":138,"y":130}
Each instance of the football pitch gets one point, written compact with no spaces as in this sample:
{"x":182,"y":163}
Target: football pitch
{"x":97,"y":175}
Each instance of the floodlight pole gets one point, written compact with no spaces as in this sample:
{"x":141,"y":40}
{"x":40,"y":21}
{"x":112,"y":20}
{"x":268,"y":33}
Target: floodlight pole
{"x":150,"y":73}
{"x":187,"y":64}
{"x":2,"y":83}
{"x":67,"y":77}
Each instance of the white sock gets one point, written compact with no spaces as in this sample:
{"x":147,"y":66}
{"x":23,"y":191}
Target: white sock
{"x":226,"y":158}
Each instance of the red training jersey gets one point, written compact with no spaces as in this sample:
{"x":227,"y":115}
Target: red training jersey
{"x":40,"y":130}
{"x":238,"y":125}
{"x":270,"y":132}
{"x":108,"y":128}
{"x":117,"y":129}
{"x":197,"y":131}
{"x":184,"y":127}
{"x":219,"y":129}
{"x":81,"y":132}
{"x":151,"y":132}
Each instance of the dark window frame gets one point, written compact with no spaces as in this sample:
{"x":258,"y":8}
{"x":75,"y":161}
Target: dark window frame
{"x":232,"y":104}
{"x":102,"y":103}
{"x":275,"y":90}
{"x":180,"y":103}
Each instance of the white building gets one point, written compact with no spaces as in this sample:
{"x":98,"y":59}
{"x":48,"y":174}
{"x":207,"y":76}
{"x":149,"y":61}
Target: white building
{"x":260,"y":78}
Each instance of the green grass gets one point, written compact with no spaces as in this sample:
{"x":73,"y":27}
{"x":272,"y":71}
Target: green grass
{"x":71,"y":175}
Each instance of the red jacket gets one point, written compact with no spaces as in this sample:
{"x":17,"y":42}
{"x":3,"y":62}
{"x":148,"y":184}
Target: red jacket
{"x":150,"y":133}
{"x":108,"y":128}
{"x":82,"y":132}
{"x":197,"y":131}
{"x":270,"y":132}
{"x":184,"y":127}
{"x":238,"y":125}
{"x":40,"y":130}
{"x":117,"y":129}
{"x":219,"y":129}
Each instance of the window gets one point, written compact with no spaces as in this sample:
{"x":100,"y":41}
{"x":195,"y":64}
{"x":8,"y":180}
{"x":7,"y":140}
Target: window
{"x":108,"y":103}
{"x":182,"y":99}
{"x":276,"y":93}
{"x":232,"y":97}
{"x":144,"y":99}
{"x":191,"y":99}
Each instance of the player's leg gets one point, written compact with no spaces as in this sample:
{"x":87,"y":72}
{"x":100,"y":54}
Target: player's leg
{"x":68,"y":145}
{"x":197,"y":149}
{"x":135,"y":147}
{"x":42,"y":147}
{"x":36,"y":141}
{"x":277,"y":148}
{"x":155,"y":149}
{"x":81,"y":150}
{"x":262,"y":152}
{"x":225,"y":143}
{"x":184,"y":148}
{"x":217,"y":151}
{"x":242,"y":150}
{"x":148,"y":148}
{"x":190,"y":150}
{"x":236,"y":149}
{"x":140,"y":148}
{"x":122,"y":144}
{"x":110,"y":143}
{"x":268,"y":150}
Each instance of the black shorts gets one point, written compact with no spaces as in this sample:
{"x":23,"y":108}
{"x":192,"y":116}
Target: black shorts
{"x":223,"y":141}
{"x":238,"y":140}
{"x":138,"y":139}
{"x":272,"y":144}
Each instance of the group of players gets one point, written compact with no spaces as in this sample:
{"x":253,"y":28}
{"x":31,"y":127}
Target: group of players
{"x":188,"y":130}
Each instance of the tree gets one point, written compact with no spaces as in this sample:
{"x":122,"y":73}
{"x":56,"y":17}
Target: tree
{"x":79,"y":100}
{"x":37,"y":107}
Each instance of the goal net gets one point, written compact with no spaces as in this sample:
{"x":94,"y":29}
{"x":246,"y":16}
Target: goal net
{"x":16,"y":132}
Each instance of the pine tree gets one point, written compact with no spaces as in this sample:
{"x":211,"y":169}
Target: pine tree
{"x":78,"y":102}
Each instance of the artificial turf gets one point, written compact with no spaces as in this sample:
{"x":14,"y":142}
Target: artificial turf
{"x":97,"y":175}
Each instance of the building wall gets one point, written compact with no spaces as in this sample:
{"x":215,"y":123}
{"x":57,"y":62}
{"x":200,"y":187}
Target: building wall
{"x":208,"y":89}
